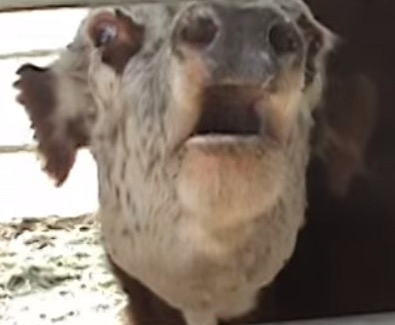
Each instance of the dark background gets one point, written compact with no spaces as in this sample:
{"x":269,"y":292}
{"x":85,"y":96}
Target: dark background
{"x":345,"y":259}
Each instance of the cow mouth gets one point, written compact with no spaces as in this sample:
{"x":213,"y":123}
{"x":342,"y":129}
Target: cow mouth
{"x":228,"y":114}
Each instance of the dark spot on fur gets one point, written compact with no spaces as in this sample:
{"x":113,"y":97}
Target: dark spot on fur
{"x":128,"y":199}
{"x":125,"y":144}
{"x":137,"y":227}
{"x":125,"y":232}
{"x":117,"y":192}
{"x":108,"y":175}
{"x":151,"y":165}
{"x":123,"y":170}
{"x":130,"y":203}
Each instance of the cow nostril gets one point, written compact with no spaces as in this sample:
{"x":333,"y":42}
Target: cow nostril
{"x":283,"y":38}
{"x":199,"y":32}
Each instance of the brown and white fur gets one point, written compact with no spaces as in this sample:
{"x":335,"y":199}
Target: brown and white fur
{"x":203,"y":220}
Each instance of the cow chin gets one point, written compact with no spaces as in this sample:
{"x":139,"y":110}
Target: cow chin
{"x":225,"y":183}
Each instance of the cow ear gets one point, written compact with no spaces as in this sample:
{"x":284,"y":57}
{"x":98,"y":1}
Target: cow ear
{"x":344,"y":126}
{"x":117,"y":36}
{"x":59,"y":133}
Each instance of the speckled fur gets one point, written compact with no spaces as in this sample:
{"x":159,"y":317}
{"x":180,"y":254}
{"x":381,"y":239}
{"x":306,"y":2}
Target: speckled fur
{"x":210,"y":267}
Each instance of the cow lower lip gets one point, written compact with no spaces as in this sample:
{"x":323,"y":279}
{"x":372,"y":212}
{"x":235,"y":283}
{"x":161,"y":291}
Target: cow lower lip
{"x":220,"y":138}
{"x":223,"y":141}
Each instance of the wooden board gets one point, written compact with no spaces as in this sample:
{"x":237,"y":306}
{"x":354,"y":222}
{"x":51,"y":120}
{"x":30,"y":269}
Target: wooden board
{"x":14,"y":5}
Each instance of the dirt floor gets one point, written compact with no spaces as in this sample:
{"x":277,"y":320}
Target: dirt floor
{"x":53,"y":271}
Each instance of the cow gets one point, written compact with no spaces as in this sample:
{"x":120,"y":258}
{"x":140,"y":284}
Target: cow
{"x":199,"y":118}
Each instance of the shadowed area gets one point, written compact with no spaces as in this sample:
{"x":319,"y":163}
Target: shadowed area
{"x":345,"y":261}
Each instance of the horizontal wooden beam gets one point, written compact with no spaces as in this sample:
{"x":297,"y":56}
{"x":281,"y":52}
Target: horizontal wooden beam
{"x":17,"y":149}
{"x":16,"y":5}
{"x":29,"y":54}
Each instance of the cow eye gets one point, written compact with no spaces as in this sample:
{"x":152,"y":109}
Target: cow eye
{"x":106,"y":34}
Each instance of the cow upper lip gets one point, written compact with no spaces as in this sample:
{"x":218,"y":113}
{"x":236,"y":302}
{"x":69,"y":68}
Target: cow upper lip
{"x":228,"y":111}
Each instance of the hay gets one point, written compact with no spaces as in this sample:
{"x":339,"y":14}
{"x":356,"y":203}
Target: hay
{"x":53,"y":271}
